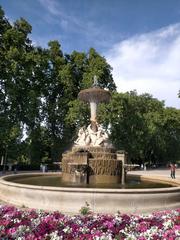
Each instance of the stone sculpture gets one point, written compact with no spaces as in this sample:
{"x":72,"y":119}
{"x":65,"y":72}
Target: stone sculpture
{"x":88,"y":137}
{"x":92,"y":159}
{"x":94,"y":135}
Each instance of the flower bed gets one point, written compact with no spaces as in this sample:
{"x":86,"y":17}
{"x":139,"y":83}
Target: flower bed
{"x":36,"y":224}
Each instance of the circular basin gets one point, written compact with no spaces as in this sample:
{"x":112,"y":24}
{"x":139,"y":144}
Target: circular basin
{"x":55,"y":180}
{"x":69,"y":199}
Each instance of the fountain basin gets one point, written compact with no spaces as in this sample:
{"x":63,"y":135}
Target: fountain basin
{"x":70,"y":200}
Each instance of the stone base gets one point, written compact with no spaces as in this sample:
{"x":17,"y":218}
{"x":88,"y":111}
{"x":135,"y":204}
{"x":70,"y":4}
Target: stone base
{"x":70,"y":200}
{"x":91,"y":165}
{"x":94,"y":149}
{"x":104,"y":179}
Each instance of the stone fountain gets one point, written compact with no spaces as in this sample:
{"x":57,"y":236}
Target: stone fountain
{"x":93,"y":158}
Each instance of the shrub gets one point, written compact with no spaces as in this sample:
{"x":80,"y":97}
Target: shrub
{"x":85,"y":210}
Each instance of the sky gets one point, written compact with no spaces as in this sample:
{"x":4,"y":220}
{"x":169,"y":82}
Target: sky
{"x":139,"y":38}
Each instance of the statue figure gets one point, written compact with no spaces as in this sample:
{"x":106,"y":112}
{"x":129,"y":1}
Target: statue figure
{"x":102,"y":137}
{"x":91,"y":134}
{"x":81,"y":137}
{"x":87,"y":137}
{"x":94,"y":135}
{"x":95,"y":83}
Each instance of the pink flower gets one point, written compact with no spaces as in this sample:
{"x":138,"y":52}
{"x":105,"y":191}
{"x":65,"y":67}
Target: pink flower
{"x":37,"y":225}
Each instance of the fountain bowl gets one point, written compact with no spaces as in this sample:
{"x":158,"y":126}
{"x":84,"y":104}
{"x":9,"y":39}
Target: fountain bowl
{"x":97,"y":95}
{"x":69,"y":200}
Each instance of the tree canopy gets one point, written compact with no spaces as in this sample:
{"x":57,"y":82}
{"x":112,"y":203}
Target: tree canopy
{"x":40,"y":113}
{"x":37,"y":89}
{"x":144,"y":127}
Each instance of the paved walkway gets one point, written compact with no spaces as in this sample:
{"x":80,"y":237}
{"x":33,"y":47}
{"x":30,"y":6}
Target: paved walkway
{"x":18,"y":172}
{"x":157,"y":172}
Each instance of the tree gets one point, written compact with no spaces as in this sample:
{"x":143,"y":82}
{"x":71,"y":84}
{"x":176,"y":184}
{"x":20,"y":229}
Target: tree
{"x":19,"y":92}
{"x":143,"y":127}
{"x":39,"y":88}
{"x":171,"y":133}
{"x":87,"y":66}
{"x":38,"y":93}
{"x":10,"y":128}
{"x":66,"y":75}
{"x":97,"y":65}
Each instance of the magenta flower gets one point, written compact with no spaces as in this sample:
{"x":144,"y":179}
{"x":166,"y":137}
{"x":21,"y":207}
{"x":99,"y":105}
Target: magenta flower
{"x":36,"y":225}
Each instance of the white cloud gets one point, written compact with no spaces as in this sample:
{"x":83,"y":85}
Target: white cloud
{"x":56,"y":14}
{"x":51,"y":6}
{"x":70,"y":21}
{"x":59,"y":14}
{"x":149,"y":63}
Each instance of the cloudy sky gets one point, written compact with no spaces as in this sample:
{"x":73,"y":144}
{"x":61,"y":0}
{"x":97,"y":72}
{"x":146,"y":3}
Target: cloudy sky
{"x":139,"y":38}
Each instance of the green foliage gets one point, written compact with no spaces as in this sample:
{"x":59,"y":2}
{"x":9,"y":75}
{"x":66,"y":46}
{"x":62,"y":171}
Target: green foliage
{"x":38,"y":93}
{"x":85,"y":210}
{"x":143,"y":127}
{"x":79,"y":114}
{"x":97,"y":65}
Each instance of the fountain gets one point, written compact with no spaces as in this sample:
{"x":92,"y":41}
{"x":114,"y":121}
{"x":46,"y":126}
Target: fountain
{"x":92,"y":158}
{"x":93,"y":172}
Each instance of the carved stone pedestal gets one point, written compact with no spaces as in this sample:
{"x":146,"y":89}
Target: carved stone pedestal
{"x":92,"y":165}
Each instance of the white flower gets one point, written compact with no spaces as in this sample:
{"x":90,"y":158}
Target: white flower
{"x":2,"y":228}
{"x":177,"y":232}
{"x":118,"y":219}
{"x":150,"y":232}
{"x":104,"y":237}
{"x":54,"y":236}
{"x":84,"y":229}
{"x":168,"y":224}
{"x":16,"y":220}
{"x":78,"y":221}
{"x":131,"y":236}
{"x":20,"y":232}
{"x":67,"y":229}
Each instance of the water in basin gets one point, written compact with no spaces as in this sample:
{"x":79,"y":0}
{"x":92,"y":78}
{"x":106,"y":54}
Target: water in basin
{"x":55,"y":181}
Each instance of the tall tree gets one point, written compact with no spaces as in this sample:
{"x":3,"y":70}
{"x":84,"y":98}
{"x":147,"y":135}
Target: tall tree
{"x":87,"y":66}
{"x":97,"y":65}
{"x":19,"y":89}
{"x":143,"y":127}
{"x":10,"y":126}
{"x":38,"y":92}
{"x":57,"y":91}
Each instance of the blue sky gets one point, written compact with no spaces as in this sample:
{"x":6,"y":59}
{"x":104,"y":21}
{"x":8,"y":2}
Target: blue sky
{"x":139,"y":38}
